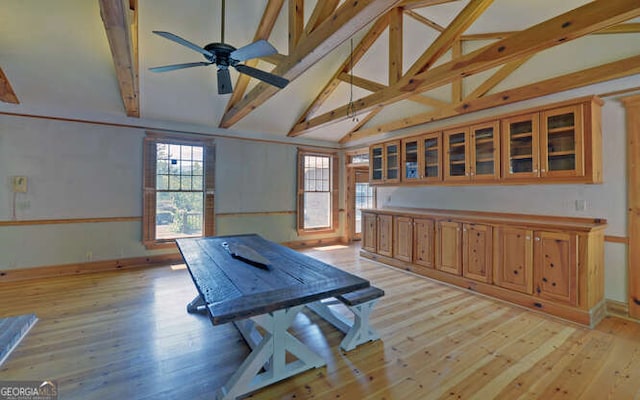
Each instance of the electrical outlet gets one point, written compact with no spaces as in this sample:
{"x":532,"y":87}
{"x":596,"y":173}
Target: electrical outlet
{"x":581,"y":205}
{"x":89,"y":255}
{"x":19,"y":184}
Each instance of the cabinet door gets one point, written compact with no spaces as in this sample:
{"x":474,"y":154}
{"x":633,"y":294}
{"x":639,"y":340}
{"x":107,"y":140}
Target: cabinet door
{"x":411,"y":159}
{"x":485,"y":152}
{"x":514,"y":259}
{"x":376,"y":163}
{"x":385,"y":235}
{"x":448,"y":247}
{"x":556,"y":268}
{"x":520,"y":147}
{"x":561,"y":142}
{"x":369,"y":232}
{"x":403,"y":238}
{"x":477,"y":252}
{"x":456,"y":158}
{"x":392,"y":162}
{"x":424,"y":241}
{"x":431,"y":165}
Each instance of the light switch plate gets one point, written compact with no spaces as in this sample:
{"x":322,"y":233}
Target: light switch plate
{"x":19,"y":184}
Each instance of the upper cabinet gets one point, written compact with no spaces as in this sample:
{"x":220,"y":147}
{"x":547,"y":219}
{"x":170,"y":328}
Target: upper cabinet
{"x":559,"y":143}
{"x":385,"y":162}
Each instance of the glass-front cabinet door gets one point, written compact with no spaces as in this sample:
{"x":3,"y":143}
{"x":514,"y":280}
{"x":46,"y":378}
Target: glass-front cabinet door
{"x":561,"y":142}
{"x":520,"y":146}
{"x":392,"y":161}
{"x":485,"y":150}
{"x":410,"y":160}
{"x":376,"y":160}
{"x":455,"y":154}
{"x":432,"y":157}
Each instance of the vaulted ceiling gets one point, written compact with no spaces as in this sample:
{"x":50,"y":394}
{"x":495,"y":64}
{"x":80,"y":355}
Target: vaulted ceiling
{"x":358,"y":69}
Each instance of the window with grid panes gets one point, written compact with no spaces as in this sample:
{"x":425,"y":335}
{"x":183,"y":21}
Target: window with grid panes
{"x":317,"y":191}
{"x":178,"y":189}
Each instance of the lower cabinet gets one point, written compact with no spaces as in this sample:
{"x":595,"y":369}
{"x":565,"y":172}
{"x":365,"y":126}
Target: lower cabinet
{"x":448,"y":247}
{"x":403,"y":238}
{"x":514,"y":259}
{"x":385,"y":235}
{"x":369,"y":232}
{"x":555,"y":265}
{"x":424,"y":242}
{"x":477,"y":252}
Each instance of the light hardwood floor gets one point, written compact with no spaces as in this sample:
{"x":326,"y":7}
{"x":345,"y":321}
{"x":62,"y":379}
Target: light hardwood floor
{"x":126,"y":335}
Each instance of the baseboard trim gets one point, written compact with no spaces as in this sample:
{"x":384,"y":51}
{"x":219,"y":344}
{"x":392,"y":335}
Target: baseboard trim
{"x":617,"y":309}
{"x":304,"y":244}
{"x":15,"y":275}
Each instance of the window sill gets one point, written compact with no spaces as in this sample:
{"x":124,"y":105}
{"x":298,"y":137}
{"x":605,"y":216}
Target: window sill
{"x":168,"y":244}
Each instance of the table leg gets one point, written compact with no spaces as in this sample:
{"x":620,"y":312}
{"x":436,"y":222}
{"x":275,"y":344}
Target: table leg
{"x":269,"y":354}
{"x":197,"y":305}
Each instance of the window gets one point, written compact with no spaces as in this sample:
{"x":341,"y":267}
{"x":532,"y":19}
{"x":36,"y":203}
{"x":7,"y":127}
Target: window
{"x":178,"y":189}
{"x":317,"y":191}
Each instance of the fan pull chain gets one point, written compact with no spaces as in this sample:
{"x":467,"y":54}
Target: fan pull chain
{"x":351,"y":107}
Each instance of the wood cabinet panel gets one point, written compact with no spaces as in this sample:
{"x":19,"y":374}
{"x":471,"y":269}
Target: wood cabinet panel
{"x":514,"y":259}
{"x":448,"y":247}
{"x":369,"y":232}
{"x":403,"y":238}
{"x":520,"y":146}
{"x":555,"y":256}
{"x":477,"y":252}
{"x":424,"y":242}
{"x":456,"y":154}
{"x":385,"y":235}
{"x":484,"y":154}
{"x":561,"y":142}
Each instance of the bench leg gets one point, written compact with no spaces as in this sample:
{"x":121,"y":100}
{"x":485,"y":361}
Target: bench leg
{"x":269,"y":353}
{"x":361,"y":331}
{"x":197,"y":305}
{"x":357,"y":332}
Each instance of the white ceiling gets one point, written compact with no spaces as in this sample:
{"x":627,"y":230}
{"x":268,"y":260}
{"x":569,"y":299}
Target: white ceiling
{"x":56,"y":55}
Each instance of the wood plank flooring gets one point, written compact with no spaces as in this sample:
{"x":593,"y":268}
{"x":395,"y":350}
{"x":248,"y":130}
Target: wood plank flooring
{"x":126,"y":335}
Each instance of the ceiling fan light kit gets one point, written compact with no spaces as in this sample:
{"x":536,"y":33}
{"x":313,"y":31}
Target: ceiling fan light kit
{"x":224,"y":55}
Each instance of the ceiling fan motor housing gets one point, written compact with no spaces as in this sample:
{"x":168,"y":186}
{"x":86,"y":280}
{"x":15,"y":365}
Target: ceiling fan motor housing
{"x":222,"y":53}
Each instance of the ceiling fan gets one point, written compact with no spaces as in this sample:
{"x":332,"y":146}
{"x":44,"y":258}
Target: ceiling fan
{"x":223,"y":56}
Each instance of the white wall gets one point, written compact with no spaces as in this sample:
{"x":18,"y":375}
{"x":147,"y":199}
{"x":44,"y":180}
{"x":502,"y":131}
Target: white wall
{"x":84,"y":170}
{"x":607,"y":200}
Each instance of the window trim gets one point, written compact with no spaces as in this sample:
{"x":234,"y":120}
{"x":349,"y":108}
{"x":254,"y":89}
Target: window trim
{"x":149,"y":190}
{"x":334,"y":191}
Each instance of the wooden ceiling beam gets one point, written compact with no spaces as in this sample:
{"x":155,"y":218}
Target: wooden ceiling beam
{"x":349,"y":18}
{"x":410,"y":4}
{"x":124,"y":50}
{"x":267,"y":22}
{"x":361,"y":123}
{"x":602,"y":73}
{"x":321,"y":12}
{"x":296,"y":23}
{"x":581,"y":21}
{"x":425,"y":20}
{"x":372,"y":86}
{"x":395,"y":44}
{"x":358,"y":52}
{"x":615,"y":29}
{"x":7,"y":95}
{"x":456,"y":85}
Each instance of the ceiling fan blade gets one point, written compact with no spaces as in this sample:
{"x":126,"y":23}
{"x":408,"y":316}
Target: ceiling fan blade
{"x":267,"y":77}
{"x":179,"y":66}
{"x":224,"y":81}
{"x":257,"y":49}
{"x":184,"y":42}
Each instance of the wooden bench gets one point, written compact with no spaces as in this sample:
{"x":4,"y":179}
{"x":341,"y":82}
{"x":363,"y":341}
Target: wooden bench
{"x":360,"y":303}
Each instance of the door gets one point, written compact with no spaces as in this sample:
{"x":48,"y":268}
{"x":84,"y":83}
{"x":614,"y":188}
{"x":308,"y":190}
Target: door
{"x":431,"y":165}
{"x":424,"y":242}
{"x":403,"y":238}
{"x":514,"y":259}
{"x":520,"y":146}
{"x":455,"y":154}
{"x":556,"y":269}
{"x":477,"y":252}
{"x":385,"y":235}
{"x":561,"y":142}
{"x":411,"y":160}
{"x":392,"y":162}
{"x":449,"y":245}
{"x":485,"y":152}
{"x":376,"y":159}
{"x":369,"y":232}
{"x":364,"y":196}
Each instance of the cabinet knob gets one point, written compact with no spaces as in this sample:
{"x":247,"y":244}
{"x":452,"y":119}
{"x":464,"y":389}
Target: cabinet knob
{"x":528,"y":237}
{"x":537,"y":239}
{"x":535,"y":170}
{"x":543,"y":170}
{"x":472,"y":174}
